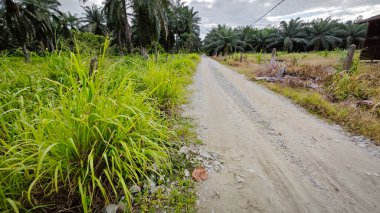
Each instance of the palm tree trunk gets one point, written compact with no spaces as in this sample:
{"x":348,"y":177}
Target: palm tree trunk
{"x":144,"y":53}
{"x":120,"y":43}
{"x":155,"y":46}
{"x":127,"y":27}
{"x":26,"y":53}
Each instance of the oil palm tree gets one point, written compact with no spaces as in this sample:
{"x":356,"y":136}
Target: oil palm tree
{"x":322,"y":34}
{"x":94,"y":20}
{"x":183,"y":22}
{"x":290,"y":33}
{"x":223,"y":39}
{"x":4,"y":35}
{"x":117,"y":22}
{"x":248,"y":35}
{"x":150,"y":21}
{"x":17,"y":24}
{"x":351,"y":33}
{"x":43,"y":15}
{"x":263,"y":39}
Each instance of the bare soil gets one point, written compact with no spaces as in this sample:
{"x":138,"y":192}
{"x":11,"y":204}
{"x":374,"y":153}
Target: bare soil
{"x":277,"y":157}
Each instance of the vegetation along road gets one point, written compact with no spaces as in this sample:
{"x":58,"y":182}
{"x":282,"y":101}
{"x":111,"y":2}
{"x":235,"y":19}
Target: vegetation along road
{"x":277,"y":157}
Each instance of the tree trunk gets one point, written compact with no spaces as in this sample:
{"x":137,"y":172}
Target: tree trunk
{"x":119,"y":42}
{"x":127,"y":27}
{"x":26,"y":53}
{"x":155,"y":46}
{"x":144,"y":53}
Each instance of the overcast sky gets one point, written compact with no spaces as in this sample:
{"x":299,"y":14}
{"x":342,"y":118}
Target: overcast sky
{"x":245,"y":12}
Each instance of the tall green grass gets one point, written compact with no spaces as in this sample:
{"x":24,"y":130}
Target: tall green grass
{"x":69,"y":141}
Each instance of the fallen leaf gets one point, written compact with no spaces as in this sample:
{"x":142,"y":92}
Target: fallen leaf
{"x":200,"y":174}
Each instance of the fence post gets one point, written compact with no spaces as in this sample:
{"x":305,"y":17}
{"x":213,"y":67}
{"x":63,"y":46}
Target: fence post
{"x":349,"y":58}
{"x":273,"y":59}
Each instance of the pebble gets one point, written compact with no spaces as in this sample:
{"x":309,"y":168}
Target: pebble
{"x":209,"y":160}
{"x":187,"y":173}
{"x":239,"y":179}
{"x":205,"y":154}
{"x":135,"y":189}
{"x":112,"y":208}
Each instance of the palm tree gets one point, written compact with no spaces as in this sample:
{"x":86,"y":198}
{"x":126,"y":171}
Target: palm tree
{"x":4,"y":36}
{"x":67,"y":23}
{"x":290,"y":33}
{"x":223,"y":39}
{"x":248,"y":35}
{"x":263,"y":39}
{"x":183,"y":22}
{"x":117,"y":22}
{"x":352,"y":33}
{"x":321,"y":33}
{"x":149,"y":21}
{"x":42,"y":15}
{"x":17,"y":24}
{"x":94,"y":19}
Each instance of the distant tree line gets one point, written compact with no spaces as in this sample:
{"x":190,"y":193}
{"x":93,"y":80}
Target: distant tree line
{"x":40,"y":25}
{"x":292,"y":36}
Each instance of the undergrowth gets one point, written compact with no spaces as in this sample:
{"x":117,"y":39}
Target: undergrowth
{"x":74,"y":142}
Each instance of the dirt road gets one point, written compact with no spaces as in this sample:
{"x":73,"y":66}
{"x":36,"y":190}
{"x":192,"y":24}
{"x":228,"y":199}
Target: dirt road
{"x":277,"y":157}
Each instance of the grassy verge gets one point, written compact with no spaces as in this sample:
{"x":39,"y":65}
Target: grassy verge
{"x":341,"y":95}
{"x":70,"y":141}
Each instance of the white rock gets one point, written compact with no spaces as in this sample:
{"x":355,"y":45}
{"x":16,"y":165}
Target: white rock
{"x":184,"y":150}
{"x":135,"y":189}
{"x":112,"y":208}
{"x":205,"y":154}
{"x":187,"y":173}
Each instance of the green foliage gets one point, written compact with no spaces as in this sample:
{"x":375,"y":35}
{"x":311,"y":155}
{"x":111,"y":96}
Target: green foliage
{"x":70,"y":140}
{"x":223,"y":39}
{"x":259,"y":57}
{"x":321,"y":33}
{"x":294,"y":35}
{"x":41,"y":26}
{"x":88,"y":43}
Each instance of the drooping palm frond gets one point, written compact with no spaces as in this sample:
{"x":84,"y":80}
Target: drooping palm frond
{"x":351,"y":32}
{"x":321,"y":33}
{"x":289,"y":34}
{"x":223,"y":39}
{"x":94,"y":20}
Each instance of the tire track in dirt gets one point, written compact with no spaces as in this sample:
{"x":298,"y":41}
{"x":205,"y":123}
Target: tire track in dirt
{"x":278,"y":158}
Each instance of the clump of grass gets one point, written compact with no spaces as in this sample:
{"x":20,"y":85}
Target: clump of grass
{"x":73,"y":141}
{"x":259,"y":57}
{"x":294,"y":61}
